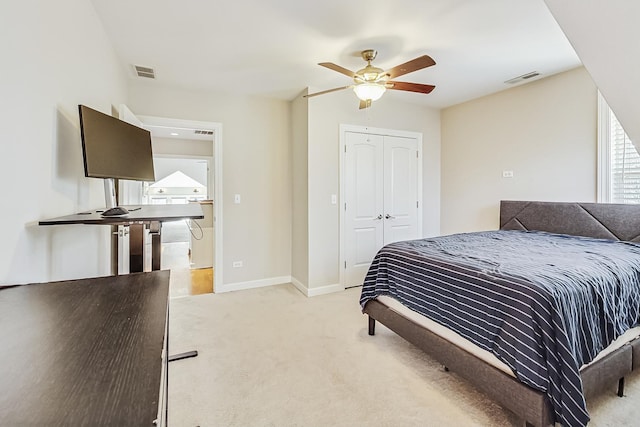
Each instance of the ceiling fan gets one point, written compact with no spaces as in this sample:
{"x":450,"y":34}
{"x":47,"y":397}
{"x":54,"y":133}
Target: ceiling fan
{"x":371,"y":82}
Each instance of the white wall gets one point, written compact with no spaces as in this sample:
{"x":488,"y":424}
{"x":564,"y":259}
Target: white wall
{"x":55,"y":55}
{"x":300,"y":191}
{"x":605,"y":36}
{"x":326,"y":114}
{"x":178,"y":146}
{"x":544,"y":131}
{"x":256,"y":165}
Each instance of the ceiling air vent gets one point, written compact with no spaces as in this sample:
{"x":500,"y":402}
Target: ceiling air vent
{"x":203,"y":132}
{"x":523,"y":78}
{"x":146,"y":72}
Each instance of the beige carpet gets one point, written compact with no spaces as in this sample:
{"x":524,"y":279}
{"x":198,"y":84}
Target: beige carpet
{"x":272,"y":357}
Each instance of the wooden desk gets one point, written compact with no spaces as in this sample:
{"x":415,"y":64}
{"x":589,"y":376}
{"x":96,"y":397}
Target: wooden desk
{"x":84,"y":352}
{"x":139,"y":218}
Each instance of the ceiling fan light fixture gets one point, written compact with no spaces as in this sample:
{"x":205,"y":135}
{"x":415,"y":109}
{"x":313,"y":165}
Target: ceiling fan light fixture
{"x":370,"y":83}
{"x":366,"y":91}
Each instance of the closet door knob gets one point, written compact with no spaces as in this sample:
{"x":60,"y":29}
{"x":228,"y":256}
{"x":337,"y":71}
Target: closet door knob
{"x":378,"y":217}
{"x":387,"y":216}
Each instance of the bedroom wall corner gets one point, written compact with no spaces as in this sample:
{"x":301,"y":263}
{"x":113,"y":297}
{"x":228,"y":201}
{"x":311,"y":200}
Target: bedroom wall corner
{"x":299,"y":192}
{"x":543,"y":131}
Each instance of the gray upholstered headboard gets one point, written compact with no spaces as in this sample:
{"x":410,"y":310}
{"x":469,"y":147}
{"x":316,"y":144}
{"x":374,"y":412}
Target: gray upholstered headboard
{"x":600,"y":220}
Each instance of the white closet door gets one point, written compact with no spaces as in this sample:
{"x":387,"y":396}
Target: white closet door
{"x":364,"y":203}
{"x":400,"y":189}
{"x":381,"y":198}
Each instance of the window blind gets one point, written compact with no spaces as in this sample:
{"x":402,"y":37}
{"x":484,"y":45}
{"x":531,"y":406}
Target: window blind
{"x":625,"y":165}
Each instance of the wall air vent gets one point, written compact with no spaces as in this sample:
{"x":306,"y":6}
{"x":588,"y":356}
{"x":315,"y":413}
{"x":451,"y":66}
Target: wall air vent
{"x":145,"y":72}
{"x":203,"y":132}
{"x":523,"y":78}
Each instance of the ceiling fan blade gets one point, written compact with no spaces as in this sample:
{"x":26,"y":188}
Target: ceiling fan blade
{"x":410,"y":87}
{"x":327,"y":91}
{"x":365,"y":104}
{"x":335,"y":67}
{"x":419,"y":63}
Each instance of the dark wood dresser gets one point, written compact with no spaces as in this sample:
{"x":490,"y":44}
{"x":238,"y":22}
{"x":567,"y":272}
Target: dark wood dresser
{"x":85,"y":352}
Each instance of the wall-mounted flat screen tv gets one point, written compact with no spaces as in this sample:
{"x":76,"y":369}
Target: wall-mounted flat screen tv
{"x":112,"y":148}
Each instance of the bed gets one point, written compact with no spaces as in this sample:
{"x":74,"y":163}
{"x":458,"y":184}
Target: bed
{"x":526,"y":333}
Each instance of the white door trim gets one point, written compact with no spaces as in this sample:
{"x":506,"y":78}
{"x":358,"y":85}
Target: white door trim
{"x":344,"y":128}
{"x":217,"y":184}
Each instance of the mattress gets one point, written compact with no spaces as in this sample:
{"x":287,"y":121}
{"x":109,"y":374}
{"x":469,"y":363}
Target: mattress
{"x":480,"y":353}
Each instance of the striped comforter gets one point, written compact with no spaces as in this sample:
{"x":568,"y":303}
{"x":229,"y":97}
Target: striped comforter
{"x":544,"y":304}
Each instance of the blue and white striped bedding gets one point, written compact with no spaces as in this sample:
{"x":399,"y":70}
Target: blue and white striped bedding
{"x":544,"y":304}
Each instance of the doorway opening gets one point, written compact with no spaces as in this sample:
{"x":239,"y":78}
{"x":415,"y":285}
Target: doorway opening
{"x":188,"y":169}
{"x":187,"y":245}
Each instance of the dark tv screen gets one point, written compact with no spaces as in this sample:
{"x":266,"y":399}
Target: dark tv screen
{"x":113,"y":148}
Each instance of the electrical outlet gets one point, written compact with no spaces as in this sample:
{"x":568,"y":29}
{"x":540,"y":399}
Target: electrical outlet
{"x":236,"y":199}
{"x":507,"y":174}
{"x":237,"y":264}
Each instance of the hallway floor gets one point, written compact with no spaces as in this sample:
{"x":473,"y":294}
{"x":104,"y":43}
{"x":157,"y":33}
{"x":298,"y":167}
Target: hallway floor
{"x":175,"y":257}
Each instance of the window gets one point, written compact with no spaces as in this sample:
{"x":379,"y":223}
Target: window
{"x":618,"y":160}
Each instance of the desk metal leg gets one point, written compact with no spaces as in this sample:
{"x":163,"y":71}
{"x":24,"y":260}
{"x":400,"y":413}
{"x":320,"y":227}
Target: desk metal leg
{"x":114,"y":250}
{"x":136,"y":248}
{"x":156,"y":244}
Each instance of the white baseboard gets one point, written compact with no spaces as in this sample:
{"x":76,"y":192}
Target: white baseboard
{"x":320,"y":290}
{"x":300,"y":286}
{"x":228,"y":287}
{"x":309,"y":292}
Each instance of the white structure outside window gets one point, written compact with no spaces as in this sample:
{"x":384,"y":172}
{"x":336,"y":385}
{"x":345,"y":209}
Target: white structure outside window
{"x":618,"y":160}
{"x":175,"y":189}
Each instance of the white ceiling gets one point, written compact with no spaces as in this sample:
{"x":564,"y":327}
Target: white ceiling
{"x":271,"y":48}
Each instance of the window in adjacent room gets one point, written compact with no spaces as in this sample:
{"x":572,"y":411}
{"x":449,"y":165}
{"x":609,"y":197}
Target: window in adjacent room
{"x":618,"y":160}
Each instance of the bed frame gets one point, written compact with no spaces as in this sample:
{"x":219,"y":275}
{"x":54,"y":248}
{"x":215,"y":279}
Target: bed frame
{"x":608,"y":221}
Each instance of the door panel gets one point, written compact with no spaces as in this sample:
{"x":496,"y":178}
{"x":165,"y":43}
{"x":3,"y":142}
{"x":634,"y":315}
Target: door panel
{"x":366,"y":242}
{"x":364,"y":185}
{"x":397,"y":233}
{"x":400,"y":189}
{"x":363,"y":203}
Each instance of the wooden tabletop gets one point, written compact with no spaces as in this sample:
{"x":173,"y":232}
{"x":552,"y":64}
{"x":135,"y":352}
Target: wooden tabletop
{"x":141,"y":213}
{"x":83,"y":352}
